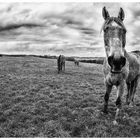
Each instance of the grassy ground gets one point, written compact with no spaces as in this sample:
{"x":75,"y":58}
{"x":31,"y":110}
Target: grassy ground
{"x":35,"y":101}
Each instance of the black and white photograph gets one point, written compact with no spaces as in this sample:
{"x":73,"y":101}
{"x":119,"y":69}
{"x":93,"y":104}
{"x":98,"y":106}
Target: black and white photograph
{"x":69,"y":69}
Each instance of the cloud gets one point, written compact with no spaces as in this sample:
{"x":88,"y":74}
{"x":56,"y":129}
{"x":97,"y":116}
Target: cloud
{"x":67,"y":28}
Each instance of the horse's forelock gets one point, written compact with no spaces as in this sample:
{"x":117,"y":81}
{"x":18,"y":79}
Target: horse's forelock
{"x":120,"y":23}
{"x":111,"y":19}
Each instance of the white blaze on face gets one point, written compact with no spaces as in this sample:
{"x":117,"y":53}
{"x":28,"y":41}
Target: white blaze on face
{"x":114,"y":24}
{"x":116,"y":48}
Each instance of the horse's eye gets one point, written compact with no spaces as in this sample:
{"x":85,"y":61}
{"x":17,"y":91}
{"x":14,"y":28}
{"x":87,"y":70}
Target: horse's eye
{"x":107,"y":46}
{"x":106,"y":28}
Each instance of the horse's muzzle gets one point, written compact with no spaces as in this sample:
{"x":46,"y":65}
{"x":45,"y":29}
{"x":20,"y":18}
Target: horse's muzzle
{"x":116,"y":64}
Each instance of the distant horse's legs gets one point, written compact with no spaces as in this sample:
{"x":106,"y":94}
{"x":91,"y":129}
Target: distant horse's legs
{"x":106,"y":97}
{"x":58,"y":67}
{"x":64,"y":66}
{"x":78,"y":63}
{"x":120,"y":91}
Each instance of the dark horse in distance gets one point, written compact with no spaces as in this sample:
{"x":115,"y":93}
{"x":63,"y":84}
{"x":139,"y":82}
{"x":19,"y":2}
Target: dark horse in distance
{"x":119,"y":66}
{"x":61,"y":63}
{"x":76,"y":62}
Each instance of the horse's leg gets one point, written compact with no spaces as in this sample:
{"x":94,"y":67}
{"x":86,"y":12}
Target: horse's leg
{"x":64,"y":66}
{"x":106,"y":97}
{"x":120,"y":91}
{"x":135,"y":83}
{"x":128,"y":93}
{"x":131,"y":90}
{"x":61,"y":66}
{"x":58,"y":67}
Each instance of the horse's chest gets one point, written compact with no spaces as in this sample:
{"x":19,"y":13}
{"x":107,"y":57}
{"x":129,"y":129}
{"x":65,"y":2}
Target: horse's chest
{"x":114,"y":79}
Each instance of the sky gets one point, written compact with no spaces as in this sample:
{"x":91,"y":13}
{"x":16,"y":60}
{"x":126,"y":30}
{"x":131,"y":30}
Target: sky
{"x":71,"y":29}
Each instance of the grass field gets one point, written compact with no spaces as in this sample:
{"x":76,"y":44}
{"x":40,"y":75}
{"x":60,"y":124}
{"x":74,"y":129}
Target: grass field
{"x":35,"y":101}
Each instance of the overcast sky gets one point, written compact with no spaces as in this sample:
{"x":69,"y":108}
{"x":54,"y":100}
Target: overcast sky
{"x":72,"y":29}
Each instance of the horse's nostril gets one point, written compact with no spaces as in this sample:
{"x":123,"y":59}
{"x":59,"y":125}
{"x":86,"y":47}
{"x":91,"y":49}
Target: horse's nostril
{"x":123,"y":61}
{"x":110,"y":60}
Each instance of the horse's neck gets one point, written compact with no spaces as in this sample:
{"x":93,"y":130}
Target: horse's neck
{"x":126,"y":54}
{"x":130,"y":56}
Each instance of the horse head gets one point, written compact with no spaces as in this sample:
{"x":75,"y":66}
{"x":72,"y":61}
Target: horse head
{"x":114,"y":40}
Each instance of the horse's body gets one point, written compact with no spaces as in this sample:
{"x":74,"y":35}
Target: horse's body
{"x":61,"y":63}
{"x":76,"y":62}
{"x":119,"y":66}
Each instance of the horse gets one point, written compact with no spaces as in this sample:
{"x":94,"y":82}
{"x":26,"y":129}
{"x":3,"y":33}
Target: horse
{"x":76,"y":62}
{"x":61,"y":63}
{"x":120,"y":67}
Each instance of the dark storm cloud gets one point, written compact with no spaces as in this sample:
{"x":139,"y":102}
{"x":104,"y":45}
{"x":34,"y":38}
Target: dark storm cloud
{"x":14,"y":26}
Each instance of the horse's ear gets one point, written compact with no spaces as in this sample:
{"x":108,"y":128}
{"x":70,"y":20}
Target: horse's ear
{"x":105,"y":13}
{"x":121,"y":14}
